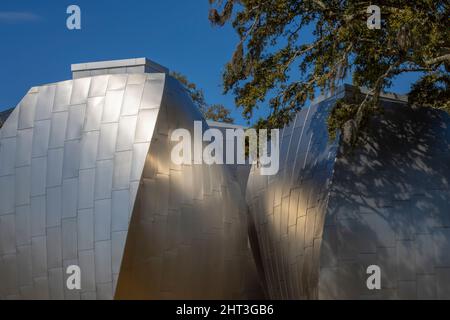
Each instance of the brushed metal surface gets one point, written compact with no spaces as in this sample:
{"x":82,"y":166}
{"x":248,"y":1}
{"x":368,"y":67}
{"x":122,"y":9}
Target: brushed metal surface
{"x":79,"y":160}
{"x":331,"y":213}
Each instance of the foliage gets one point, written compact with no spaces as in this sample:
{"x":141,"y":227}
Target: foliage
{"x":272,"y":59}
{"x":215,"y":112}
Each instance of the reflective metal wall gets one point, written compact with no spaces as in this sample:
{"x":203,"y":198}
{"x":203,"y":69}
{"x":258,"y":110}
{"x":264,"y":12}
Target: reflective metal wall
{"x":188,"y":233}
{"x":79,"y":159}
{"x":330,"y":213}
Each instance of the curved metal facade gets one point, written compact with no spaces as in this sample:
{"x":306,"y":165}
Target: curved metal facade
{"x":329,"y":214}
{"x":79,"y":160}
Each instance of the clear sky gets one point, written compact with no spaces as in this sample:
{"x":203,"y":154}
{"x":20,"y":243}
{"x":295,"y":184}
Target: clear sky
{"x":37,"y":48}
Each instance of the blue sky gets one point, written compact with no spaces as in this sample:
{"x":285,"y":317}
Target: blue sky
{"x":37,"y":48}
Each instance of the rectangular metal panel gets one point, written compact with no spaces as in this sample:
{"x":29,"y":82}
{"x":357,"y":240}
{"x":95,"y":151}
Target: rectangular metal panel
{"x":55,"y":165}
{"x":76,"y":122}
{"x":39,"y":256}
{"x":103,"y":262}
{"x":117,"y":82}
{"x":89,"y":147}
{"x":23,"y":180}
{"x":103,"y":179}
{"x":98,"y":86}
{"x":94,"y":112}
{"x":41,"y":135}
{"x":7,"y":156}
{"x":80,"y":91}
{"x":113,"y":105}
{"x":38,"y":216}
{"x":69,"y":238}
{"x":45,"y":100}
{"x":54,"y":247}
{"x":132,"y":99}
{"x":7,"y":197}
{"x":122,"y":169}
{"x":62,"y":97}
{"x":38,"y":176}
{"x":107,"y":143}
{"x":85,"y":220}
{"x":145,"y":125}
{"x":120,"y":208}
{"x":26,"y":111}
{"x":70,"y":197}
{"x":71,"y":159}
{"x":23,"y":149}
{"x":154,"y":87}
{"x":86,"y":189}
{"x":7,"y":234}
{"x":23,"y":225}
{"x":56,"y":283}
{"x":125,"y":137}
{"x":140,"y":151}
{"x":54,"y":206}
{"x":118,"y":240}
{"x":102,"y":216}
{"x":24,"y":265}
{"x":87,"y":265}
{"x":58,"y":129}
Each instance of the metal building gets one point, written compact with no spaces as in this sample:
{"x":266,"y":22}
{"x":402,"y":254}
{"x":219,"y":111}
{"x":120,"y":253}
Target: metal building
{"x":86,"y":179}
{"x":331,"y":212}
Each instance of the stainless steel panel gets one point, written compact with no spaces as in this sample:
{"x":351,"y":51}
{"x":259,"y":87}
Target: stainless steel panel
{"x":58,"y":129}
{"x":107,"y":143}
{"x":87,"y":264}
{"x":76,"y":122}
{"x":7,"y":156}
{"x":102,"y":220}
{"x":132,"y":99}
{"x":145,"y":124}
{"x":24,"y":265}
{"x":86,"y":225}
{"x":80,"y":91}
{"x":104,"y":179}
{"x":69,"y":238}
{"x":94,"y":113}
{"x":71,"y":159}
{"x":89,"y":148}
{"x":70,"y":196}
{"x":62,"y":96}
{"x":127,"y":129}
{"x":8,"y":234}
{"x":39,"y":256}
{"x":98,"y":86}
{"x":103,"y":262}
{"x":56,"y":284}
{"x":54,"y":207}
{"x":122,"y":169}
{"x":26,"y":111}
{"x":22,"y":191}
{"x":54,"y":247}
{"x":23,"y":225}
{"x":86,"y":187}
{"x":23,"y":147}
{"x":113,"y":105}
{"x":45,"y":101}
{"x":41,"y":135}
{"x":120,"y":210}
{"x":7,"y":195}
{"x":55,"y":162}
{"x":38,"y":213}
{"x":117,"y":82}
